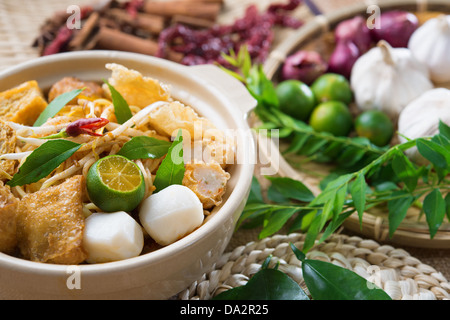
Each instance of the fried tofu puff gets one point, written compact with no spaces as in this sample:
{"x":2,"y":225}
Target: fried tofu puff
{"x":202,"y":141}
{"x":7,"y":145}
{"x":22,"y":104}
{"x":8,"y":220}
{"x":51,"y":223}
{"x":169,"y":118}
{"x":208,"y":181}
{"x":136,"y":89}
{"x":91,"y":90}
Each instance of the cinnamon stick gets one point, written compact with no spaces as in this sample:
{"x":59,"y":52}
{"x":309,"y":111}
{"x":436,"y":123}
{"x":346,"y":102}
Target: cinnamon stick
{"x":80,"y":39}
{"x":148,"y":22}
{"x":111,"y":39}
{"x":195,"y":9}
{"x":193,"y":21}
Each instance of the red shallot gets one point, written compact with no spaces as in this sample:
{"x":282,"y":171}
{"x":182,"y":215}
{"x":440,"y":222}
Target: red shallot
{"x":343,"y":58}
{"x":305,"y":66}
{"x":396,"y":27}
{"x":356,"y":31}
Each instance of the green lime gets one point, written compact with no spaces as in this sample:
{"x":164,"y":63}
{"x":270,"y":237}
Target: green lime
{"x":333,"y":117}
{"x":332,"y":87}
{"x":115,"y":183}
{"x":296,"y":99}
{"x":376,"y":126}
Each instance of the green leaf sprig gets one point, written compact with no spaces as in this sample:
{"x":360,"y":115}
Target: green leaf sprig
{"x":55,"y":106}
{"x":42,"y":161}
{"x":121,"y":108}
{"x":144,"y":147}
{"x":172,"y":169}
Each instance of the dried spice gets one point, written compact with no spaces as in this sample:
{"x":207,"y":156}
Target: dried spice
{"x":82,"y":126}
{"x":254,"y":30}
{"x":183,"y":31}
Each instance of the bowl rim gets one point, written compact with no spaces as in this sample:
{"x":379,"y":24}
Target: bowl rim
{"x":232,"y":204}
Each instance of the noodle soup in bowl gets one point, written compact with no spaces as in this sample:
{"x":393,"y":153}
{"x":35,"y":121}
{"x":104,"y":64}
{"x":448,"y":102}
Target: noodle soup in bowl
{"x":163,"y":270}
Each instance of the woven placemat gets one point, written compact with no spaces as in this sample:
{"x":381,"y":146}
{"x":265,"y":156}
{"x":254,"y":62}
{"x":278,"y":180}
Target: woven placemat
{"x":401,"y":275}
{"x":19,"y":26}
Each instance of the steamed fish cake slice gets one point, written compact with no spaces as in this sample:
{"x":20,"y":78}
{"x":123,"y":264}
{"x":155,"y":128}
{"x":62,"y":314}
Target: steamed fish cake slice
{"x":136,"y":89}
{"x":51,"y":223}
{"x":171,"y":214}
{"x":208,"y":182}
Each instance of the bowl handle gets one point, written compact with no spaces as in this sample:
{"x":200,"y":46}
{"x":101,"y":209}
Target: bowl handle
{"x":235,"y":90}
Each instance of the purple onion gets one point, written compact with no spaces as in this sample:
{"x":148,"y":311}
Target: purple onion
{"x":305,"y":66}
{"x":343,"y":58}
{"x":356,"y":31}
{"x":396,"y":27}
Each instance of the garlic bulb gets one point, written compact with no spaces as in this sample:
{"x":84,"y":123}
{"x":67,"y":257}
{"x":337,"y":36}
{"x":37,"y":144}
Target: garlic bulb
{"x":387,"y":79}
{"x":421,"y":117}
{"x":430,"y":44}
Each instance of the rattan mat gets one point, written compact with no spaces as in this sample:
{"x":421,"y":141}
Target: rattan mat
{"x":401,"y":274}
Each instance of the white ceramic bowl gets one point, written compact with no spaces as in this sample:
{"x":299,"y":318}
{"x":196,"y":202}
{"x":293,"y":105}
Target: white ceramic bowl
{"x":167,"y":271}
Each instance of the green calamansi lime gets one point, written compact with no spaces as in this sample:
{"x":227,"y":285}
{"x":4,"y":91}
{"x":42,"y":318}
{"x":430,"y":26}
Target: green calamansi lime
{"x":332,"y":87}
{"x":115,"y":183}
{"x":376,"y":126}
{"x":296,"y":99}
{"x":333,"y":117}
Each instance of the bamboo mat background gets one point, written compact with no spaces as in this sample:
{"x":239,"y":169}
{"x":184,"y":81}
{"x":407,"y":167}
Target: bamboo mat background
{"x":19,"y":26}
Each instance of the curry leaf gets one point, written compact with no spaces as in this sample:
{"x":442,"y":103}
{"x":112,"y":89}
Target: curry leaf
{"x":447,"y":205}
{"x":171,"y":171}
{"x":276,"y":220}
{"x":434,"y":207}
{"x":434,"y":152}
{"x":444,"y":129}
{"x":144,"y":147}
{"x":405,"y":171}
{"x":255,"y":195}
{"x":398,"y":208}
{"x":314,"y":229}
{"x":292,"y":189}
{"x":261,"y":88}
{"x":121,"y":108}
{"x":56,"y":105}
{"x":358,"y":191}
{"x":42,"y":161}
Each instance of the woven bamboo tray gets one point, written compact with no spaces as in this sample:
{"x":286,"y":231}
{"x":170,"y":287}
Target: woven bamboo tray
{"x":318,"y":35}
